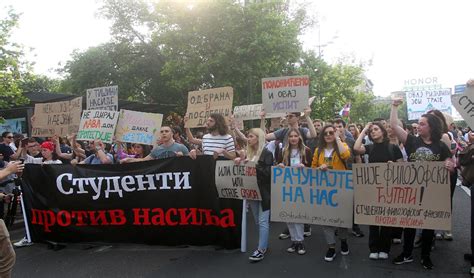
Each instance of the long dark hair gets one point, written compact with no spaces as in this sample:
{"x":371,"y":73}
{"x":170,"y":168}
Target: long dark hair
{"x":322,"y":143}
{"x":220,"y":124}
{"x":384,"y":133}
{"x":435,"y":126}
{"x":441,"y":116}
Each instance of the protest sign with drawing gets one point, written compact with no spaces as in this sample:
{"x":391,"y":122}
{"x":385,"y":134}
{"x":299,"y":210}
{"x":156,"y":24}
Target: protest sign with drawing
{"x":237,"y":181}
{"x":402,"y":194}
{"x":203,"y":103}
{"x":307,"y":195}
{"x":98,"y":124}
{"x":138,"y":127}
{"x":103,"y":98}
{"x":285,"y":94}
{"x":464,"y":103}
{"x":56,"y":118}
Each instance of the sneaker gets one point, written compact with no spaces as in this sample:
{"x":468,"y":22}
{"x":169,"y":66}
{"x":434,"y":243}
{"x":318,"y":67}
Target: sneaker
{"x":300,"y":249}
{"x":257,"y":256}
{"x":307,"y":230}
{"x":402,"y":259}
{"x":330,"y":255}
{"x":383,"y":256}
{"x":284,"y":235}
{"x":374,"y":256}
{"x":471,"y":271}
{"x":344,"y":248}
{"x":438,"y":236}
{"x":292,"y":248}
{"x":426,"y":262}
{"x":448,"y":236}
{"x":397,"y":241}
{"x":22,"y":243}
{"x":357,"y":233}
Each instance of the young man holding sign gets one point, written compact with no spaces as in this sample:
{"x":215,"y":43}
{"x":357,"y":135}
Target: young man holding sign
{"x":168,"y":148}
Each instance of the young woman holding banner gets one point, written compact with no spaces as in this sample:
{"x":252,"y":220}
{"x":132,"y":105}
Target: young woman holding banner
{"x":256,"y":152}
{"x":426,"y":147}
{"x":381,"y":151}
{"x":295,"y":154}
{"x":332,"y":153}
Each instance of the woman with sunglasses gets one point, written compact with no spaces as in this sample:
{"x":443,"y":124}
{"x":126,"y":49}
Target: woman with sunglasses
{"x":332,"y":153}
{"x":426,"y":147}
{"x":381,"y":151}
{"x":295,"y":154}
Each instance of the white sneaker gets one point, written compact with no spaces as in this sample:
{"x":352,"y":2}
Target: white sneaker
{"x":383,"y":256}
{"x":438,"y":236}
{"x":374,"y":256}
{"x":23,"y":243}
{"x":396,"y":240}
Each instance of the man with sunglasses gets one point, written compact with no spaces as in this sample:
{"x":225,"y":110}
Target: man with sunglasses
{"x":293,"y":120}
{"x":5,"y":148}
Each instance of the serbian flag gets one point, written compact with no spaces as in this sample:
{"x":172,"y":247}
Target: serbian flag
{"x":345,"y":111}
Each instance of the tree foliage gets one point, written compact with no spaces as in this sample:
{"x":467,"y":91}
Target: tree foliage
{"x":161,"y":51}
{"x":11,"y":64}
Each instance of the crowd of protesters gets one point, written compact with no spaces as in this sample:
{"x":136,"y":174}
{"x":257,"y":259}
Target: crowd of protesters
{"x":319,"y":144}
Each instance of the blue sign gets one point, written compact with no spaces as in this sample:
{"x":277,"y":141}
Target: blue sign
{"x":459,"y":89}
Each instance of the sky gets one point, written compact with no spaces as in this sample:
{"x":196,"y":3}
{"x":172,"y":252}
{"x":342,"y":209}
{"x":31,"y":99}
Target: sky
{"x":397,"y":40}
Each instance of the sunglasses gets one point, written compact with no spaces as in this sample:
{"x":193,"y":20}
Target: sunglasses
{"x":329,"y":133}
{"x":9,"y":137}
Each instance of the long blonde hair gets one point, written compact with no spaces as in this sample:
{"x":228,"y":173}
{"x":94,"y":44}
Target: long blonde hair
{"x":252,"y":154}
{"x":287,"y":149}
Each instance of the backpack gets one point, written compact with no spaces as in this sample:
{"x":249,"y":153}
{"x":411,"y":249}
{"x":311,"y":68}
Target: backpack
{"x":466,"y":162}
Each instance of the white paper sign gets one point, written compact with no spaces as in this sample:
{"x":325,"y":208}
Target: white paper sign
{"x":98,"y":124}
{"x":420,"y":102}
{"x":103,"y":98}
{"x":285,"y":94}
{"x":464,"y":103}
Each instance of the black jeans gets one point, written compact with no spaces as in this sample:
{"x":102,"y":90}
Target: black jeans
{"x":409,"y":238}
{"x":380,"y":239}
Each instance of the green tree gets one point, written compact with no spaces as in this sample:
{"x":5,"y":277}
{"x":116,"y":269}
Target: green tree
{"x":11,"y":64}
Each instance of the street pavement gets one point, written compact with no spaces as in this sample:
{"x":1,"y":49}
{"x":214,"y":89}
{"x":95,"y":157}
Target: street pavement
{"x":130,"y":260}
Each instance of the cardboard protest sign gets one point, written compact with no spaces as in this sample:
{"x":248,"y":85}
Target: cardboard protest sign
{"x":103,"y":98}
{"x":406,"y":194}
{"x":237,"y":181}
{"x":252,"y":112}
{"x":420,"y":102}
{"x":464,"y":104}
{"x":56,"y":118}
{"x":306,"y":195}
{"x":98,"y":124}
{"x":203,"y":103}
{"x":138,"y":127}
{"x":285,"y":94}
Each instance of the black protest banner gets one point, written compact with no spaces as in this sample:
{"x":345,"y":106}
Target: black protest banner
{"x":168,"y":202}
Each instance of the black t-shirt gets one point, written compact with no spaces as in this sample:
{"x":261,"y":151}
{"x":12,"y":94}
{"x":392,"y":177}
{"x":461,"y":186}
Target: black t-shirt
{"x":380,"y":153}
{"x":417,"y":150}
{"x":6,"y":151}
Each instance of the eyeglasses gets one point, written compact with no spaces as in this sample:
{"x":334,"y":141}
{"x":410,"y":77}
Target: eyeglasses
{"x":290,"y":116}
{"x":9,"y":137}
{"x":329,"y":133}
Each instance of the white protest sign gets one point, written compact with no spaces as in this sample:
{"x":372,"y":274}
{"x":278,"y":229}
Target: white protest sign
{"x":306,"y":195}
{"x":138,"y":127}
{"x":285,"y":94}
{"x":57,"y":118}
{"x":420,"y":102}
{"x":403,"y":194}
{"x":237,"y":181}
{"x":103,"y":98}
{"x":464,"y":104}
{"x":203,"y":103}
{"x":98,"y":124}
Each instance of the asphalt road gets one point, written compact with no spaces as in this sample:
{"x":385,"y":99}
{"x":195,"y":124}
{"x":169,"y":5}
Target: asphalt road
{"x":127,"y":260}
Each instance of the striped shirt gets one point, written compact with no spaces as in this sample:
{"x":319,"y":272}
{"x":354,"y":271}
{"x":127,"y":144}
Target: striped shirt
{"x":211,"y":143}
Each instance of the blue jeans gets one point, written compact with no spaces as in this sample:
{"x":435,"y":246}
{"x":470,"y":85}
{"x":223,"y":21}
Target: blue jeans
{"x":262,"y":219}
